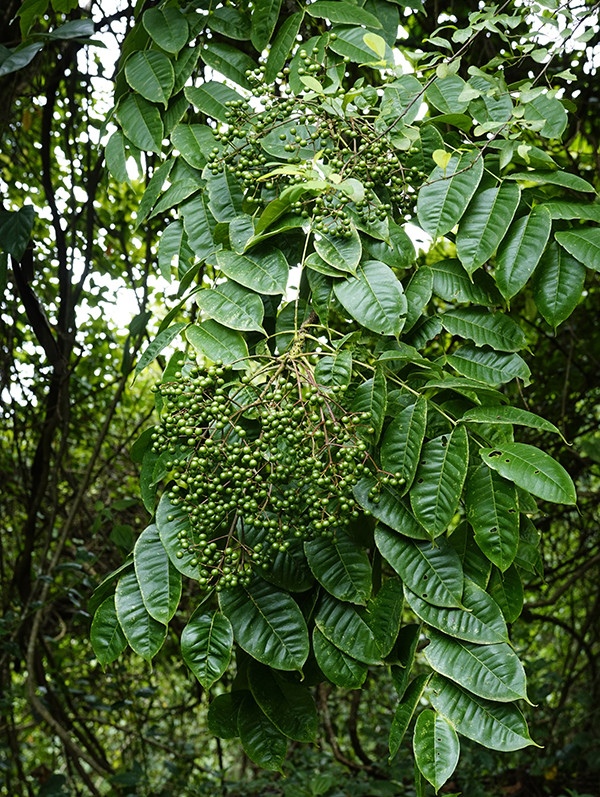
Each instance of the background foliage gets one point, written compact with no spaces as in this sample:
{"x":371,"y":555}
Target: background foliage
{"x":70,"y":415}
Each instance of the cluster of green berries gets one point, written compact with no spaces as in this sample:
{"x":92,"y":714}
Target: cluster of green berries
{"x":256,"y":465}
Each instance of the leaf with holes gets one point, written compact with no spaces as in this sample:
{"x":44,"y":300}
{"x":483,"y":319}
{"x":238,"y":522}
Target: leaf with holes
{"x":493,"y":512}
{"x":436,"y":747}
{"x":533,"y":470}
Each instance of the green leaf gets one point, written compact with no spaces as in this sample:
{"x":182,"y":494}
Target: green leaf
{"x":374,"y":298}
{"x":267,"y":624}
{"x":371,"y":397}
{"x":584,"y":244}
{"x":480,"y":620}
{"x":342,"y":253}
{"x":405,"y":650}
{"x":160,"y":342}
{"x":153,"y":190}
{"x":337,"y":666}
{"x":264,"y":270}
{"x":401,"y":99}
{"x":218,"y":343}
{"x":573,"y":210}
{"x":117,"y":152}
{"x":233,"y":306}
{"x":507,"y":590}
{"x":144,"y":634}
{"x":170,"y":520}
{"x":261,"y":740}
{"x":418,"y":293}
{"x":385,"y":614}
{"x":445,"y":196}
{"x":521,"y":250}
{"x":159,"y":581}
{"x":199,"y":225}
{"x":206,"y":645}
{"x":194,"y":142}
{"x":487,"y":366}
{"x":553,"y":177}
{"x":404,"y":712}
{"x":141,"y":122}
{"x":389,"y":508}
{"x":150,"y":74}
{"x":106,"y":634}
{"x":549,"y":110}
{"x":172,"y":244}
{"x":15,"y":230}
{"x":557,"y":284}
{"x":350,"y":42}
{"x":508,"y":415}
{"x":476,"y":566}
{"x":225,"y":196}
{"x":263,"y":20}
{"x":452,"y":283}
{"x":289,"y":569}
{"x":282,"y":45}
{"x":19,"y":57}
{"x":433,"y":573}
{"x":168,"y":28}
{"x":211,"y":98}
{"x":342,"y":12}
{"x":402,"y":441}
{"x":230,"y":61}
{"x":533,"y":470}
{"x":444,"y":94}
{"x":230,"y":21}
{"x":184,"y":67}
{"x":497,"y":726}
{"x":436,"y":747}
{"x":439,"y":480}
{"x":484,"y":328}
{"x":334,"y":369}
{"x":485,"y":223}
{"x":344,"y":627}
{"x":341,"y":566}
{"x":288,"y":704}
{"x":490,"y":671}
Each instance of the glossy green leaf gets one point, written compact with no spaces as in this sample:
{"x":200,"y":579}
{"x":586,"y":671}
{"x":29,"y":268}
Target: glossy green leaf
{"x":160,"y":342}
{"x":582,"y":211}
{"x":230,"y":21}
{"x":389,"y":508}
{"x":487,"y":366}
{"x":263,"y":270}
{"x":350,"y":42}
{"x":168,"y":28}
{"x":206,"y":645}
{"x":374,"y":298}
{"x":436,"y":747}
{"x":439,"y":480}
{"x":117,"y":152}
{"x":507,"y":590}
{"x":508,"y":415}
{"x":160,"y":582}
{"x":445,"y":196}
{"x":557,"y":284}
{"x":480,"y":621}
{"x":153,"y":190}
{"x":521,"y":250}
{"x":496,"y":330}
{"x":485,"y":223}
{"x":402,"y":442}
{"x":211,"y":98}
{"x":418,"y":293}
{"x":334,"y":369}
{"x":444,"y":94}
{"x":337,"y":666}
{"x":233,"y":306}
{"x":289,"y":569}
{"x":263,"y":20}
{"x":404,"y":651}
{"x":341,"y":566}
{"x":106,"y":634}
{"x":141,"y":122}
{"x":223,"y":713}
{"x":19,"y":57}
{"x":533,"y":470}
{"x":371,"y":396}
{"x":184,"y":68}
{"x":452,"y":283}
{"x":229,"y":61}
{"x":224,"y":196}
{"x":554,"y":177}
{"x":217,"y":342}
{"x":170,"y":520}
{"x":195,"y":143}
{"x":497,"y":726}
{"x":150,"y":74}
{"x":199,"y":225}
{"x":15,"y":230}
{"x":433,"y":573}
{"x":261,"y":740}
{"x":282,"y":45}
{"x":172,"y":244}
{"x":144,"y":634}
{"x":490,"y":671}
{"x":402,"y":98}
{"x":404,"y":712}
{"x":267,"y":624}
{"x":344,"y":627}
{"x":476,"y":566}
{"x":288,"y":704}
{"x":341,"y":253}
{"x":493,"y":512}
{"x":584,"y":244}
{"x":385,"y":614}
{"x":548,"y":110}
{"x":342,"y":12}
